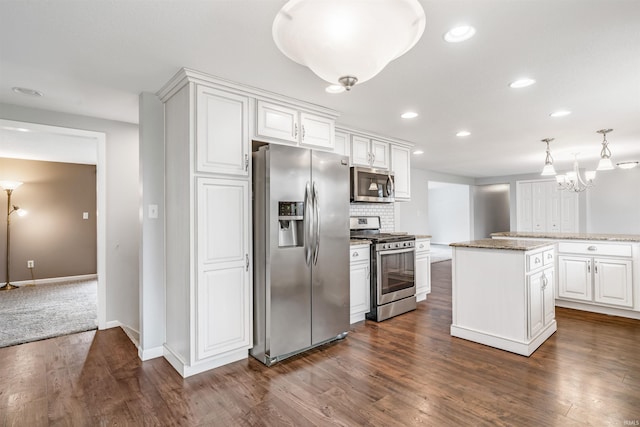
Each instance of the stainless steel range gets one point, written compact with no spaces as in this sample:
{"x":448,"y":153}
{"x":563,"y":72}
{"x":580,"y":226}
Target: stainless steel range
{"x":393,"y":285}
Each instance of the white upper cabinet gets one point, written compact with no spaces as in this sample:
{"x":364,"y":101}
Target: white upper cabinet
{"x":401,"y":167}
{"x":341,"y":144}
{"x":369,"y":152}
{"x":292,"y":125}
{"x":222,"y":129}
{"x":276,"y":121}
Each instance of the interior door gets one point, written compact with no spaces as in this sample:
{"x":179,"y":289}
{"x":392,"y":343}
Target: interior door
{"x":330,"y":274}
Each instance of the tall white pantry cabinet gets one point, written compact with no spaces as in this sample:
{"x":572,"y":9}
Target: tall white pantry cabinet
{"x":208,"y":202}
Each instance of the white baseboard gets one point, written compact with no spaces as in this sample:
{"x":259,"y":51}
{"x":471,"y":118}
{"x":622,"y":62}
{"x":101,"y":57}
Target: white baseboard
{"x":150,"y":353}
{"x":205,"y":365}
{"x":129,"y":331}
{"x":52,"y":280}
{"x":611,"y":311}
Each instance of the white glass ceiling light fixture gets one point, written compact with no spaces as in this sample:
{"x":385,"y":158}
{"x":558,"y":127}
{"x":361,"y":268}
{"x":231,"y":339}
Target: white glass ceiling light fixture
{"x":605,"y":163}
{"x":347,"y":41}
{"x":548,"y":169}
{"x":627,"y":165}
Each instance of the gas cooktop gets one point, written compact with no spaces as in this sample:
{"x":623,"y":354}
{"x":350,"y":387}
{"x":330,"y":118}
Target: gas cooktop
{"x":381,"y":237}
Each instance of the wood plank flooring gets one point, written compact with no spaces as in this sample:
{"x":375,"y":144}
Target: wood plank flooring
{"x":405,"y":371}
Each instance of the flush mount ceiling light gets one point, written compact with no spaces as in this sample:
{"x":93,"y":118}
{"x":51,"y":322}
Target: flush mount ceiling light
{"x":463,"y":133}
{"x":27,"y":91}
{"x":409,"y":115}
{"x":627,"y":165}
{"x":605,"y":154}
{"x":418,"y":152}
{"x":548,"y":161}
{"x":560,"y":113}
{"x":459,"y":33}
{"x":347,"y":41}
{"x":520,"y":83}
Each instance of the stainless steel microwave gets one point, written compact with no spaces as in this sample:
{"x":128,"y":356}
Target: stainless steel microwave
{"x":372,"y":185}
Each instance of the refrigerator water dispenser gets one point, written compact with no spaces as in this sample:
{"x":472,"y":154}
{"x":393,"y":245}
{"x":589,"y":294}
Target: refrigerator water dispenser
{"x":290,"y":224}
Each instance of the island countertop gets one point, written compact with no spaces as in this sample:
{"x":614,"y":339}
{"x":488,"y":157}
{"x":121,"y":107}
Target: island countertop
{"x":514,"y":245}
{"x":570,"y":236}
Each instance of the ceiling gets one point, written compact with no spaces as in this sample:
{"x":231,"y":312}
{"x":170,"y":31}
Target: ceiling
{"x":94,"y":58}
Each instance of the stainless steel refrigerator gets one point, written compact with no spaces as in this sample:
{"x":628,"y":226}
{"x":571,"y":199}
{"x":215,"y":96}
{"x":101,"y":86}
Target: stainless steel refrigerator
{"x":301,"y":250}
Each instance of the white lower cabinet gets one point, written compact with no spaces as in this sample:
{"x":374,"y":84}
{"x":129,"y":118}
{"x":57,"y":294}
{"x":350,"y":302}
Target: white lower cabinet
{"x":423,"y":269}
{"x":598,"y":280}
{"x":541,"y":301}
{"x":359,"y":282}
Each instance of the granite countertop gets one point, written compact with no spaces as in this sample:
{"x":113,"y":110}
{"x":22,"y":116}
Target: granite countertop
{"x":570,"y":236}
{"x":355,"y":242}
{"x":514,"y":245}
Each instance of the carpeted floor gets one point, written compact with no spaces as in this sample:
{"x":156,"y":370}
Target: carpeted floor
{"x":33,"y":313}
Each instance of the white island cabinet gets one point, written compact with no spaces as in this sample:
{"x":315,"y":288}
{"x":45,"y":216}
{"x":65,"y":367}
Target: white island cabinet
{"x":423,"y":267}
{"x":503,"y":293}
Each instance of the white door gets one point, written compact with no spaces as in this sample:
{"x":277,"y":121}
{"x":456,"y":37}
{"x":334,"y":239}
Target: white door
{"x":574,"y":279}
{"x":549,"y":299}
{"x":222,"y":142}
{"x":359,"y":289}
{"x":401,"y":167}
{"x":317,"y":131}
{"x":539,"y":202}
{"x":569,"y":211}
{"x":613,"y":284}
{"x":276,"y":121}
{"x":360,"y":154}
{"x":535,"y":304}
{"x":553,"y":207}
{"x":223,"y":288}
{"x":380,"y":154}
{"x":524,"y":206}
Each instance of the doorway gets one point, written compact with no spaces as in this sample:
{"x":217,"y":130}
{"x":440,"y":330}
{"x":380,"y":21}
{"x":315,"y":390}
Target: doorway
{"x":449,"y":212}
{"x":31,"y":141}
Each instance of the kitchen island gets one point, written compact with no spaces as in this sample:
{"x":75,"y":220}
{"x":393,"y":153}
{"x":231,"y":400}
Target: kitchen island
{"x":503,"y":293}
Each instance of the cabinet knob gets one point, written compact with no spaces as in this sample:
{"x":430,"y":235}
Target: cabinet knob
{"x":421,"y":245}
{"x":355,"y":254}
{"x":537,"y":260}
{"x":592,"y":248}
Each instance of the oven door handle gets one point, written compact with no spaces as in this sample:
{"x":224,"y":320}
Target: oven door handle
{"x":395,"y":251}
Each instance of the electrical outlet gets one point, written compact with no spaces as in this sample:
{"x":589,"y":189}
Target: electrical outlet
{"x":31,"y":263}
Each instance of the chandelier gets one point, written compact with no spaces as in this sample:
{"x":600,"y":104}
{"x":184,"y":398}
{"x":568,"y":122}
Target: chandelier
{"x":347,"y":41}
{"x":573,"y":180}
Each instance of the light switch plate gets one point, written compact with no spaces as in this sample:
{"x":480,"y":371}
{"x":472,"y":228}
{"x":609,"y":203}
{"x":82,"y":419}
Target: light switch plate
{"x":153,"y":211}
{"x":85,"y":215}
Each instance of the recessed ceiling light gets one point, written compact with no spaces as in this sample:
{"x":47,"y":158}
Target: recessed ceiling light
{"x":560,"y":113}
{"x":27,"y":91}
{"x":409,"y":115}
{"x":334,"y":89}
{"x":520,"y":83}
{"x":463,"y":133}
{"x":418,"y":152}
{"x":627,"y":165}
{"x":459,"y":34}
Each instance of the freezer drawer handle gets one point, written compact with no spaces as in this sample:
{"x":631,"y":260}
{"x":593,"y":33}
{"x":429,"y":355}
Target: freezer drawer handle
{"x":592,"y":248}
{"x":247,"y":261}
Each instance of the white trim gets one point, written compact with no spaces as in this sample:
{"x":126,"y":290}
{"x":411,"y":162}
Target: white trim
{"x":205,"y":365}
{"x":150,"y":353}
{"x":54,"y":280}
{"x":112,"y":324}
{"x":590,"y":306}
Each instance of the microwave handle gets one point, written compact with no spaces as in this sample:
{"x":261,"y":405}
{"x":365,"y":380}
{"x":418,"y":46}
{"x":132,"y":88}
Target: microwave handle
{"x":390,"y":186}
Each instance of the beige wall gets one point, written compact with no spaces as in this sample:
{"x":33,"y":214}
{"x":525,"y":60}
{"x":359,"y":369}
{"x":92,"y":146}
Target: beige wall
{"x":53,"y":234}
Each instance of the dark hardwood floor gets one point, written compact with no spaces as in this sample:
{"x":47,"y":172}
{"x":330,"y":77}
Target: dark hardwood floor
{"x":404,"y":371}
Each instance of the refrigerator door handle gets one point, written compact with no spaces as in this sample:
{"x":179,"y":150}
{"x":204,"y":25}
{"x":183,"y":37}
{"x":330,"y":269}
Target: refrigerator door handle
{"x":316,"y":222}
{"x":307,"y":224}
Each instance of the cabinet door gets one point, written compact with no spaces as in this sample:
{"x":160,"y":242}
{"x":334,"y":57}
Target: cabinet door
{"x":539,"y":203}
{"x":524,"y":206}
{"x":380,"y":154}
{"x":401,"y":167}
{"x":223,"y":298}
{"x":317,"y":131}
{"x":341,"y":144}
{"x":553,"y":207}
{"x":574,"y":279}
{"x":613,"y":284}
{"x":359,"y":289}
{"x":276,"y":121}
{"x":568,"y":212}
{"x":360,"y":154}
{"x":549,"y":298}
{"x":222,"y":135}
{"x":535,"y":306}
{"x":423,"y":273}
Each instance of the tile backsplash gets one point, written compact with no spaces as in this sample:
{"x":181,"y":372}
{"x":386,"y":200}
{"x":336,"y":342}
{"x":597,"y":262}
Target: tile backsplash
{"x":385,"y":211}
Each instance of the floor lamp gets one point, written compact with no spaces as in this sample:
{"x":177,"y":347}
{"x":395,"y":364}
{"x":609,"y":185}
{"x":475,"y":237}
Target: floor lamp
{"x":9,"y":186}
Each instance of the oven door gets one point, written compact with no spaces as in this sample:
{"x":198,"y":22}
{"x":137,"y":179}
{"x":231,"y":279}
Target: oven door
{"x":395,"y":278}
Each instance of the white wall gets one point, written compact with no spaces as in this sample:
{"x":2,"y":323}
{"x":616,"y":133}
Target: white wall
{"x":449,"y":212}
{"x":152,"y":292}
{"x":613,"y":204}
{"x":122,"y":204}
